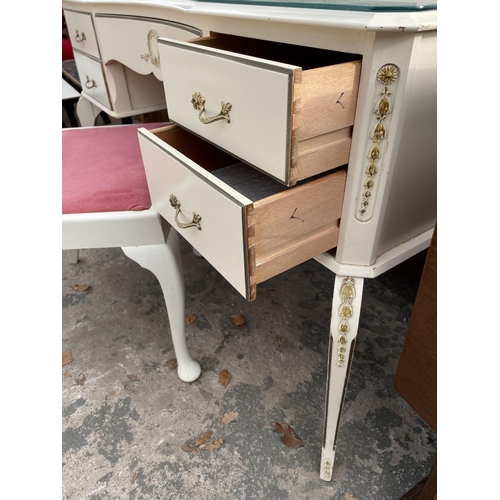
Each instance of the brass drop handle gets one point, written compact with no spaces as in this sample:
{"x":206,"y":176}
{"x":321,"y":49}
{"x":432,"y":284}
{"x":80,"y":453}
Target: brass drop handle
{"x":90,"y":84}
{"x":198,"y":102}
{"x":78,"y":38}
{"x":177,"y":205}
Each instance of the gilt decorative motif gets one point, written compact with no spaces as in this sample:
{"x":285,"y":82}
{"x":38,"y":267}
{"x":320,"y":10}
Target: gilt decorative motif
{"x":347,"y":295}
{"x":149,"y":56}
{"x":386,"y":75}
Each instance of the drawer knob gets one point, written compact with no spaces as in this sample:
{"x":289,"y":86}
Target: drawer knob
{"x":80,"y":38}
{"x":177,"y":205}
{"x":198,"y":102}
{"x":90,"y":84}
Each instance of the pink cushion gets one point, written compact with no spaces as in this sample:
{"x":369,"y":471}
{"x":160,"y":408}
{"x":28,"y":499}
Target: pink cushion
{"x":102,"y":170}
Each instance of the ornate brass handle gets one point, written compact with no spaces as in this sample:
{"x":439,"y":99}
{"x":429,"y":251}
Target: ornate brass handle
{"x":92,"y":83}
{"x":177,"y":205}
{"x":198,"y":102}
{"x":78,"y":38}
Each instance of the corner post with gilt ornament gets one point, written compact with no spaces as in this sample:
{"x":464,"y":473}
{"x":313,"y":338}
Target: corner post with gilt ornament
{"x":346,"y":309}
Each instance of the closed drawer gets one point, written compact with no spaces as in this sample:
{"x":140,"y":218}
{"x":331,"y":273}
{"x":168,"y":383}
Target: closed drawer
{"x":248,"y":226}
{"x":286,"y":110}
{"x":133,"y":40}
{"x":81,"y":32}
{"x":91,"y":78}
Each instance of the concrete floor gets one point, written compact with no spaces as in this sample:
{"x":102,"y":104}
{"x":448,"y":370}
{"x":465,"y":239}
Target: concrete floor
{"x":126,"y":414}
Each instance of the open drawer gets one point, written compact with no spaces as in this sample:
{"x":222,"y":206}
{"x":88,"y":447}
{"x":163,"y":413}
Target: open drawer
{"x":248,"y":226}
{"x":287,"y":110}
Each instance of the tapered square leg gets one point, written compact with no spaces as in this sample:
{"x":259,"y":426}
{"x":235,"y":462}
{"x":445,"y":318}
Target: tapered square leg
{"x":343,"y":330}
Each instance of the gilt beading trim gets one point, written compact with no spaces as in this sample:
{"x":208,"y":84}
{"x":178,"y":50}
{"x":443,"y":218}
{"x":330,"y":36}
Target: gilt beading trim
{"x":386,"y":75}
{"x":149,"y":56}
{"x":347,"y":295}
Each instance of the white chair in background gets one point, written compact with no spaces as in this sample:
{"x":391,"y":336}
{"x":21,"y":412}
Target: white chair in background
{"x":106,"y":204}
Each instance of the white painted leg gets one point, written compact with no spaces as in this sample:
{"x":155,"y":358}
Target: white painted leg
{"x":86,"y":112}
{"x":343,"y":331}
{"x":73,"y":256}
{"x":164,"y":261}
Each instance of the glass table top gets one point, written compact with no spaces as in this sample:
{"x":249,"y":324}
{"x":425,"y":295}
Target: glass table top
{"x":354,"y":5}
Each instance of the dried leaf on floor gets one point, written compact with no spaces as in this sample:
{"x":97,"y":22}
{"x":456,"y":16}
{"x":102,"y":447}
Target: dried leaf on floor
{"x":237,"y":320}
{"x":133,"y":378}
{"x":67,"y":357}
{"x":66,"y":374}
{"x":289,"y":438}
{"x":214,"y":445}
{"x":80,"y":288}
{"x":224,"y":377}
{"x":203,"y":438}
{"x":281,"y":342}
{"x":171,"y":364}
{"x":348,"y":496}
{"x":189,"y":318}
{"x":229,"y":417}
{"x":190,"y":447}
{"x":134,"y":478}
{"x":111,"y":393}
{"x":81,"y":380}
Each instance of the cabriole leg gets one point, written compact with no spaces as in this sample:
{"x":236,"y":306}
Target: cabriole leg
{"x":164,"y":261}
{"x":343,"y":330}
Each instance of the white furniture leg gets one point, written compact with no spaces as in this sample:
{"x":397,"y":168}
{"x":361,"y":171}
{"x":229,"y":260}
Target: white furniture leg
{"x":164,"y":261}
{"x":73,"y":256}
{"x":86,"y":112}
{"x":343,"y":330}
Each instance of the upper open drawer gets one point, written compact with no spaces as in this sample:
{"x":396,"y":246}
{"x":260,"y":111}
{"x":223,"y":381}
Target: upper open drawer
{"x":285,"y":109}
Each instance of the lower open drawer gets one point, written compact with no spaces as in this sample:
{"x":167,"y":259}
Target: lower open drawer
{"x":248,"y":226}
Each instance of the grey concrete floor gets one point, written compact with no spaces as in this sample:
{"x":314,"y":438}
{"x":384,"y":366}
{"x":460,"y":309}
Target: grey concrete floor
{"x":126,"y":414}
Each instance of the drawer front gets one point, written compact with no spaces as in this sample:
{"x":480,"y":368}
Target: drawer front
{"x":81,"y":32}
{"x":249,"y":227}
{"x":260,"y":95}
{"x":91,"y":78}
{"x":133,"y":41}
{"x":222,"y":238}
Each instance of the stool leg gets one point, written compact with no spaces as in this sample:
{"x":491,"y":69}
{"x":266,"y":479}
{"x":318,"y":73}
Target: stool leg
{"x":164,"y":261}
{"x":73,"y":256}
{"x":343,"y":331}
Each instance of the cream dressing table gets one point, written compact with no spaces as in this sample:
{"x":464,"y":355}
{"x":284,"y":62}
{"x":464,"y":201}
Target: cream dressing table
{"x":368,"y":180}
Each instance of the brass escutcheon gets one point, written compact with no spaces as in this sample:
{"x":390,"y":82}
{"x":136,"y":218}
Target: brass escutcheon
{"x":177,"y":205}
{"x":78,"y":38}
{"x":90,"y":84}
{"x":198,"y":102}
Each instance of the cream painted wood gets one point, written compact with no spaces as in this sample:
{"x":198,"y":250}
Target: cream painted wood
{"x":403,"y":202}
{"x":258,"y":91}
{"x":147,"y":239}
{"x":169,"y":172}
{"x":338,"y":376}
{"x":81,"y":32}
{"x":87,"y":112}
{"x":91,"y":78}
{"x":138,"y":47}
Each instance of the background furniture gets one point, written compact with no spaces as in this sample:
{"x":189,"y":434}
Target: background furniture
{"x":389,"y":200}
{"x":416,"y":376}
{"x":106,"y":204}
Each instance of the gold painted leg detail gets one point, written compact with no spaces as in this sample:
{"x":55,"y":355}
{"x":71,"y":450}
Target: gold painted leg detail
{"x":343,"y":330}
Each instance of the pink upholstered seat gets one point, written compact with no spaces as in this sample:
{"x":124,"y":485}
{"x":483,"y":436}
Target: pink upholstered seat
{"x":106,"y":204}
{"x":103,"y":170}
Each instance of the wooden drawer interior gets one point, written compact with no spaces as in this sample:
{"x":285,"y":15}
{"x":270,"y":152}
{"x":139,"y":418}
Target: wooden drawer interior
{"x":282,"y":226}
{"x":322,"y":102}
